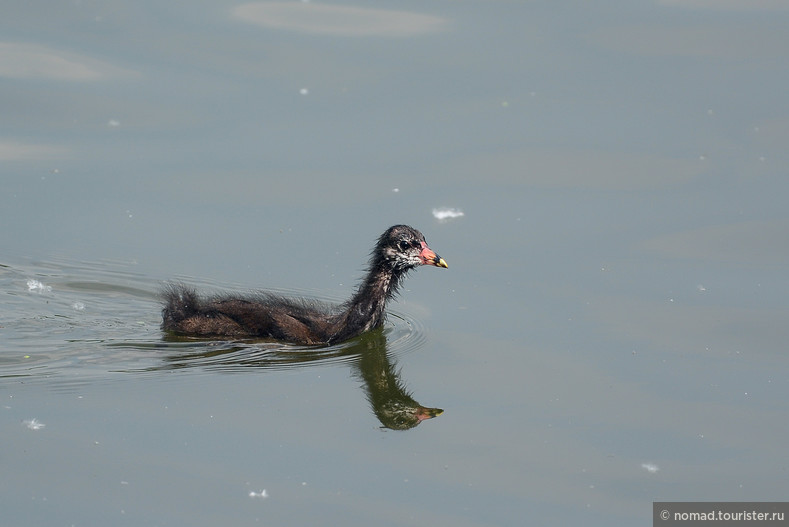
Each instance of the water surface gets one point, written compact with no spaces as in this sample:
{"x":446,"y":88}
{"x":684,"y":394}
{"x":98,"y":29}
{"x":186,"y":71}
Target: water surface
{"x":610,"y":331}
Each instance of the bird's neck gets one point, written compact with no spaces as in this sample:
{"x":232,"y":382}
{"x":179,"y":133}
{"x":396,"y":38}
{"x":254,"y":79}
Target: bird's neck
{"x":365,"y":310}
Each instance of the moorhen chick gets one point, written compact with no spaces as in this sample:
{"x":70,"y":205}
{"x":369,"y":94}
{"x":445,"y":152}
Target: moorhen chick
{"x":264,"y":315}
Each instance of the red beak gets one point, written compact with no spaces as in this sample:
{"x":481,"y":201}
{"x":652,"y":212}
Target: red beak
{"x":428,"y":257}
{"x":423,"y":413}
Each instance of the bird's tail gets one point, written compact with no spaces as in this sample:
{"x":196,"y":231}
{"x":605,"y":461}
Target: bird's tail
{"x":180,"y":302}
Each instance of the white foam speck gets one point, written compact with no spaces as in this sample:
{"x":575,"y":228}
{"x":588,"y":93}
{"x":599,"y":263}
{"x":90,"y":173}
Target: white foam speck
{"x":650,"y":467}
{"x":446,"y":213}
{"x":35,"y":286}
{"x":34,"y":424}
{"x":261,"y":494}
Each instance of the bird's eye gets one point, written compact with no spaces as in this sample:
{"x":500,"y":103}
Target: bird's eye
{"x":403,"y":245}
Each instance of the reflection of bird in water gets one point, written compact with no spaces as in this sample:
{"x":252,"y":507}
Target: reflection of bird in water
{"x":392,"y":403}
{"x":394,"y":406}
{"x":399,"y":249}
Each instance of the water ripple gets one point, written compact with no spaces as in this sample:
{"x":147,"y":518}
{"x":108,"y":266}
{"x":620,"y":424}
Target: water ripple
{"x":91,"y":320}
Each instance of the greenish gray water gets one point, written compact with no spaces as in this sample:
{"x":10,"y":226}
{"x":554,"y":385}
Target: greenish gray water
{"x":610,"y":331}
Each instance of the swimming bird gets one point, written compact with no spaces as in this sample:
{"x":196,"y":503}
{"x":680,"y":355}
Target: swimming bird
{"x":300,"y":321}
